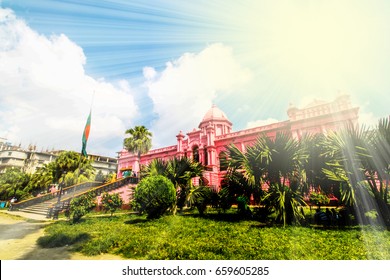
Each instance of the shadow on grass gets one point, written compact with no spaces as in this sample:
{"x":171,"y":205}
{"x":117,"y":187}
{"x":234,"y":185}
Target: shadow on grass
{"x":219,"y":217}
{"x":137,"y":221}
{"x":62,"y":239}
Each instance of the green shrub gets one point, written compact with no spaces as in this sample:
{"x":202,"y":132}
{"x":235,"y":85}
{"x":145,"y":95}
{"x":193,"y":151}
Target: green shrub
{"x":286,"y":204}
{"x":154,"y":195}
{"x":200,"y":197}
{"x":80,"y":206}
{"x":319,"y":199}
{"x":222,"y":200}
{"x":111,"y":202}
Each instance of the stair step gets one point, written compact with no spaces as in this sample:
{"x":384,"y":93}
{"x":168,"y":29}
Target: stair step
{"x":34,"y":212}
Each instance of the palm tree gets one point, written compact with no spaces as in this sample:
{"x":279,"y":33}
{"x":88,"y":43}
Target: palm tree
{"x":139,"y":141}
{"x":285,"y":160}
{"x":181,"y":171}
{"x":273,"y":161}
{"x":246,"y":169}
{"x":315,"y":163}
{"x":156,"y":167}
{"x":74,"y":165}
{"x":359,"y":160}
{"x":42,"y":178}
{"x":382,"y":156}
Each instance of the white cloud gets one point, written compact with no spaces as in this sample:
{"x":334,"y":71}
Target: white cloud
{"x":45,"y":94}
{"x":149,"y":73}
{"x":186,"y":88}
{"x":258,"y":123}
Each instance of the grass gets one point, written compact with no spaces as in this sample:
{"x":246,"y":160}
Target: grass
{"x":185,"y":237}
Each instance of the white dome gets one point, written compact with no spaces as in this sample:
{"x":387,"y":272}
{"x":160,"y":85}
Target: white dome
{"x":214,"y":113}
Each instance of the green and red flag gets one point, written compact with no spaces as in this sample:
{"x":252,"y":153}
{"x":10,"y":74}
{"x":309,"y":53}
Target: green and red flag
{"x":86,"y":135}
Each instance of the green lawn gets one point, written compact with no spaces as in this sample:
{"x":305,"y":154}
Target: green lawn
{"x":214,"y":237}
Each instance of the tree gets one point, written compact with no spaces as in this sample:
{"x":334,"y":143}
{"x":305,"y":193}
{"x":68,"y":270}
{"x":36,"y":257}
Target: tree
{"x":316,"y":180}
{"x":181,"y":171}
{"x":245,"y":169}
{"x":157,"y":166}
{"x":269,"y":160}
{"x":286,"y":203}
{"x":154,"y":195}
{"x":42,"y":178}
{"x":200,"y":197}
{"x":80,"y":206}
{"x":13,"y":183}
{"x":78,"y":167}
{"x":68,"y":168}
{"x":284,"y":160}
{"x":111,"y":202}
{"x":275,"y":162}
{"x":359,"y":160}
{"x":139,"y":141}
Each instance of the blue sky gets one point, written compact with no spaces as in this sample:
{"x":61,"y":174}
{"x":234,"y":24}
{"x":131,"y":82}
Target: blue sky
{"x":162,"y":64}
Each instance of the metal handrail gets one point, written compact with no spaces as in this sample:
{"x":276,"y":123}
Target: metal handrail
{"x":65,"y":202}
{"x":49,"y":196}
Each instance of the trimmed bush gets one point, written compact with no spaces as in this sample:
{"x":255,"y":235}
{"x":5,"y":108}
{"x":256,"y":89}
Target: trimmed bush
{"x":154,"y":195}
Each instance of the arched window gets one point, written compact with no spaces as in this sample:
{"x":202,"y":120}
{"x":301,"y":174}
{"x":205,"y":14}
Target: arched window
{"x":206,"y":157}
{"x":195,"y":153}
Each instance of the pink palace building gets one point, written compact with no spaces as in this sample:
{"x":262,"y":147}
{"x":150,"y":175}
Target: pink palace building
{"x":208,"y":143}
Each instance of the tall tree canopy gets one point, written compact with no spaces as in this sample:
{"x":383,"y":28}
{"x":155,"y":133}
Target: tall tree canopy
{"x":139,"y":141}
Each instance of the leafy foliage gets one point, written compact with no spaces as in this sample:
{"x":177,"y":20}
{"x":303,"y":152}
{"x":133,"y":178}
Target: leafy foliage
{"x":154,"y":195}
{"x":139,"y":141}
{"x":286,"y":203}
{"x":80,"y":206}
{"x":69,"y":168}
{"x":359,"y":161}
{"x":319,"y":198}
{"x":180,"y":172}
{"x":111,"y":202}
{"x":200,"y":197}
{"x":13,"y":183}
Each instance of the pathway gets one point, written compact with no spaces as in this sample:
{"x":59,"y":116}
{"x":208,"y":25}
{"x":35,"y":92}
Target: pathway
{"x":18,"y":238}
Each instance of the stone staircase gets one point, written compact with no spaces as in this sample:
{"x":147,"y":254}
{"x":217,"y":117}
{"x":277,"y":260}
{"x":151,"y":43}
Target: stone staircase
{"x":117,"y":186}
{"x":48,"y":206}
{"x":38,"y":209}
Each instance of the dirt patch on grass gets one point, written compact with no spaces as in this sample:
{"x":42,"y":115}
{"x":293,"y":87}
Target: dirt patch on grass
{"x":18,"y":241}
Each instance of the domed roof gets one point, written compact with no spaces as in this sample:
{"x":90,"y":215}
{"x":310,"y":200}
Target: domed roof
{"x":214,"y":113}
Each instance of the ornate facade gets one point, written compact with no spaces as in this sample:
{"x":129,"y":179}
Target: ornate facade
{"x":215,"y":132}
